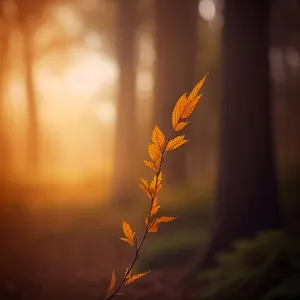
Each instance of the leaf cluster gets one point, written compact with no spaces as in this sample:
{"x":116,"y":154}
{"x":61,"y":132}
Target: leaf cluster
{"x":157,"y":150}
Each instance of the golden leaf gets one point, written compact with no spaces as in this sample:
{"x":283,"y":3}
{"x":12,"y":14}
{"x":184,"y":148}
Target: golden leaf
{"x":154,"y":153}
{"x":197,"y":88}
{"x":180,"y":126}
{"x":158,"y":188}
{"x":176,"y":142}
{"x":145,"y":187}
{"x":135,"y":277}
{"x":155,"y":184}
{"x":150,"y":165}
{"x":158,"y":138}
{"x":178,"y":110}
{"x":153,"y":227}
{"x":159,"y":177}
{"x":155,"y":207}
{"x":112,"y":283}
{"x":129,"y":234}
{"x":190,"y":106}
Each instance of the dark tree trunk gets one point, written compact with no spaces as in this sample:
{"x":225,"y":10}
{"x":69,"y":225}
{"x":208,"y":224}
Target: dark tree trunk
{"x":246,"y":200}
{"x":176,"y":50}
{"x":125,"y":125}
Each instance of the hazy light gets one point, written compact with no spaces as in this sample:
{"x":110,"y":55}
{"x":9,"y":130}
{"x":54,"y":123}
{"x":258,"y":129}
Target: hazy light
{"x":106,"y":112}
{"x":91,"y":74}
{"x":144,"y":82}
{"x":93,"y":41}
{"x":69,"y":19}
{"x":207,"y":10}
{"x":292,"y":58}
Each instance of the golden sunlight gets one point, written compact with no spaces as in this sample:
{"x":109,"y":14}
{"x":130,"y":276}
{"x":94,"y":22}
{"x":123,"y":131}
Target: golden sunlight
{"x":106,"y":112}
{"x":90,"y":74}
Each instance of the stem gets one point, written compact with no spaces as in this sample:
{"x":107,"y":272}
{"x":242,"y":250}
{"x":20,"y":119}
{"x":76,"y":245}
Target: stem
{"x":137,"y":249}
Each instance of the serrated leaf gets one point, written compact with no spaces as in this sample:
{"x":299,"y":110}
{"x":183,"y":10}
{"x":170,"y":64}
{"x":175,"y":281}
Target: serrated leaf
{"x":145,"y":187}
{"x":150,"y":164}
{"x":135,"y":277}
{"x":112,"y":283}
{"x":180,"y":126}
{"x":178,"y":110}
{"x":158,"y":138}
{"x":189,"y":108}
{"x":129,"y":234}
{"x":155,"y":185}
{"x":176,"y":142}
{"x":154,"y":153}
{"x":153,"y":227}
{"x":155,"y":207}
{"x":196,"y":89}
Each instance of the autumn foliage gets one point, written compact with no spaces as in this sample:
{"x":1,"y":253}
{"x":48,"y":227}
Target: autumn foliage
{"x":157,"y":149}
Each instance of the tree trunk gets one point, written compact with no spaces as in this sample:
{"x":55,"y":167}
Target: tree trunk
{"x":176,"y":50}
{"x":4,"y":151}
{"x":246,"y":193}
{"x":33,"y":134}
{"x":125,"y":126}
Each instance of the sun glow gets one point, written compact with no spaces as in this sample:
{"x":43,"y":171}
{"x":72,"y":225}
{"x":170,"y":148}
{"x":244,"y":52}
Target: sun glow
{"x":89,"y":75}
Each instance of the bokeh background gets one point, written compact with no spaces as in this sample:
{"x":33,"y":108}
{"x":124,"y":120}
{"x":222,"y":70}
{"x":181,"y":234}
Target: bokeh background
{"x":82,"y":84}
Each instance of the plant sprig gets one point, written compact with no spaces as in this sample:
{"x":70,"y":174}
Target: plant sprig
{"x":157,"y":151}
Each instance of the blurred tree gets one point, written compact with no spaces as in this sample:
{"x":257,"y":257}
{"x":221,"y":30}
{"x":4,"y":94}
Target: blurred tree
{"x":285,"y":29}
{"x":124,"y":169}
{"x":246,"y":200}
{"x":176,"y":51}
{"x":28,"y":13}
{"x":4,"y":44}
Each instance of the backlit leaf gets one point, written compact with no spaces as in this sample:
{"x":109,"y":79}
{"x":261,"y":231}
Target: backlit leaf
{"x":153,"y":227}
{"x":150,"y":165}
{"x":197,"y":88}
{"x":135,"y":277}
{"x":176,"y":142}
{"x":154,"y":153}
{"x":129,"y":234}
{"x":112,"y":283}
{"x":178,"y":110}
{"x":145,"y":187}
{"x":158,"y":138}
{"x":155,"y":207}
{"x":180,"y":126}
{"x":190,"y":107}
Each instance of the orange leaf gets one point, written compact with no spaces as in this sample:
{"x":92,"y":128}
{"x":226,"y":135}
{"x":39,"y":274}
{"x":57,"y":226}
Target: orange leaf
{"x":153,"y":227}
{"x":158,"y":138}
{"x":176,"y":142}
{"x":190,"y":107}
{"x":178,"y":110}
{"x":180,"y":126}
{"x":155,"y":207}
{"x":112,"y":283}
{"x":154,"y":153}
{"x":145,"y":187}
{"x":129,"y":234}
{"x":156,"y":185}
{"x":197,"y":88}
{"x":150,"y":165}
{"x":135,"y":277}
